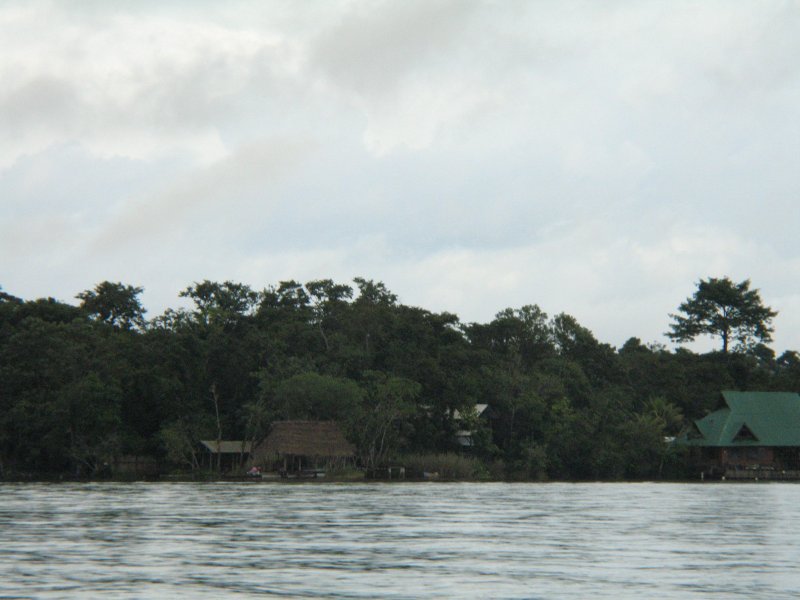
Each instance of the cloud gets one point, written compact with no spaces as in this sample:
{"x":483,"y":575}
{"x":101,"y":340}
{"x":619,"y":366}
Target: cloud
{"x":593,"y":158}
{"x":373,"y":47}
{"x":226,"y":196}
{"x":142,"y":86}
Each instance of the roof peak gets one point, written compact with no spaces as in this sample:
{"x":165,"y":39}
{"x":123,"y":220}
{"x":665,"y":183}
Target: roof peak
{"x":771,"y":418}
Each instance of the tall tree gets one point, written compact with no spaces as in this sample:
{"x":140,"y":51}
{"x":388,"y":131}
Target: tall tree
{"x":721,"y":308}
{"x":377,"y":426}
{"x":114,"y":303}
{"x":220,"y":303}
{"x":315,"y":397}
{"x":328,"y":299}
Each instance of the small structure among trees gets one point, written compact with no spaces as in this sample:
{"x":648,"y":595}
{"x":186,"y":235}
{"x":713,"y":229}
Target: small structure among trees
{"x":754,"y":435}
{"x":297,"y":447}
{"x":224,"y":456}
{"x":467,"y":424}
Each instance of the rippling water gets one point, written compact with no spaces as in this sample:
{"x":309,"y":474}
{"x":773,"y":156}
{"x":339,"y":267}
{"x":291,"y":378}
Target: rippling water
{"x":417,"y":540}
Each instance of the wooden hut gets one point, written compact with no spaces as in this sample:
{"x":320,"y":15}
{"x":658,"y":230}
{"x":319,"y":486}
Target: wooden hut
{"x":225,"y":455}
{"x":303,"y":447}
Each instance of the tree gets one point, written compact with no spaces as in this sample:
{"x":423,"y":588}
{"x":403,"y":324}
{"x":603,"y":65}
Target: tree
{"x":6,"y":297}
{"x":722,"y":308}
{"x":220,"y":303}
{"x":115,"y":304}
{"x":376,"y":428}
{"x":524,"y":332}
{"x":328,"y":298}
{"x":59,"y":398}
{"x":316,"y":397}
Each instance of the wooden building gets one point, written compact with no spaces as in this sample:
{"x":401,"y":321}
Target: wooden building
{"x":753,"y":435}
{"x":297,"y":447}
{"x":224,"y":456}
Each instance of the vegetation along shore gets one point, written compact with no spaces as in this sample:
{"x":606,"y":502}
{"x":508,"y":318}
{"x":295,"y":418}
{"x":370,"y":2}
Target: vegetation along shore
{"x":97,"y":390}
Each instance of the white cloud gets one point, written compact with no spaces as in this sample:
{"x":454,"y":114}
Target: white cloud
{"x":592,"y":158}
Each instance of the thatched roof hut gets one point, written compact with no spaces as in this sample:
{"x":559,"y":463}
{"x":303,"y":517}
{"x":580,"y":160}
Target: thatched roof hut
{"x":301,"y":444}
{"x":307,"y":438}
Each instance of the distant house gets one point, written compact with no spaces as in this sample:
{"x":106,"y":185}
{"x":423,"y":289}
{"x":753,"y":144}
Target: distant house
{"x":754,"y":434}
{"x":228,"y":455}
{"x":297,"y":446}
{"x":464,"y":435}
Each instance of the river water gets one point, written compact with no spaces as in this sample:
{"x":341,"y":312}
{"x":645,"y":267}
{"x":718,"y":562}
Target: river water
{"x":414,"y":540}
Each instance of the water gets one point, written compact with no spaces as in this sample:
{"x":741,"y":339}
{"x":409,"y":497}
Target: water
{"x":423,"y":540}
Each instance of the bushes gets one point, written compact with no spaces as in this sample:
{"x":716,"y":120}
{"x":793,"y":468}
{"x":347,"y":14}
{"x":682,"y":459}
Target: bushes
{"x":448,"y":466}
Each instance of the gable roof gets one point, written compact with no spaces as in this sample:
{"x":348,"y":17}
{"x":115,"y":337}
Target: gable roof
{"x":479,"y":410}
{"x":751,"y":419}
{"x":227,"y":446}
{"x":306,"y":438}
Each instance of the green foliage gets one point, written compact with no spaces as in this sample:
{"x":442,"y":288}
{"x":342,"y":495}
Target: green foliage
{"x":721,"y":308}
{"x":115,"y":304}
{"x":81,"y":385}
{"x":532,"y":463}
{"x":60,"y":398}
{"x":179,"y":440}
{"x":377,"y":424}
{"x":220,"y":303}
{"x":311,"y":396}
{"x":445,"y":466}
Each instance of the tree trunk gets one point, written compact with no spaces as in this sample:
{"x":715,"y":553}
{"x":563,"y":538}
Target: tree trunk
{"x":215,"y":398}
{"x":324,"y":337}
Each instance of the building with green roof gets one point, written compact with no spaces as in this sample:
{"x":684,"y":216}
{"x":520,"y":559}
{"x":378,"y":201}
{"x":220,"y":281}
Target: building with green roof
{"x":752,"y":432}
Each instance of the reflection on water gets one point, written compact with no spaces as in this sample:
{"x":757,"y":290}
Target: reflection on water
{"x":421,"y":540}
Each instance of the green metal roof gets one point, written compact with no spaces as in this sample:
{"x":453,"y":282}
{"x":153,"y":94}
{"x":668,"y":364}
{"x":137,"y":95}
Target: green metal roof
{"x":750,"y":419}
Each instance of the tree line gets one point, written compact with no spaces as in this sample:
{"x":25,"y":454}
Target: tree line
{"x":83,"y":384}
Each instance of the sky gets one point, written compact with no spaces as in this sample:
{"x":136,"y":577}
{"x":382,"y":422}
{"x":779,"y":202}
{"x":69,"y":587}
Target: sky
{"x":593,"y":158}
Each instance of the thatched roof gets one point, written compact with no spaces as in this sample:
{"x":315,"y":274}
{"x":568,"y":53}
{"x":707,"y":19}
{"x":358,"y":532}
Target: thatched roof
{"x":306,"y":438}
{"x":227,"y":446}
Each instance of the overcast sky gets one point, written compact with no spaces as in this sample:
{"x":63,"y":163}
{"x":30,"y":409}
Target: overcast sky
{"x":594,"y":158}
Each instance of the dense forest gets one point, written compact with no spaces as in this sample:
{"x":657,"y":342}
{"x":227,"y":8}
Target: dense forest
{"x":82,"y":384}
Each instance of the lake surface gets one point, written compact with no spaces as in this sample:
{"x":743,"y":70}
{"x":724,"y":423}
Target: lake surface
{"x":415,"y":540}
